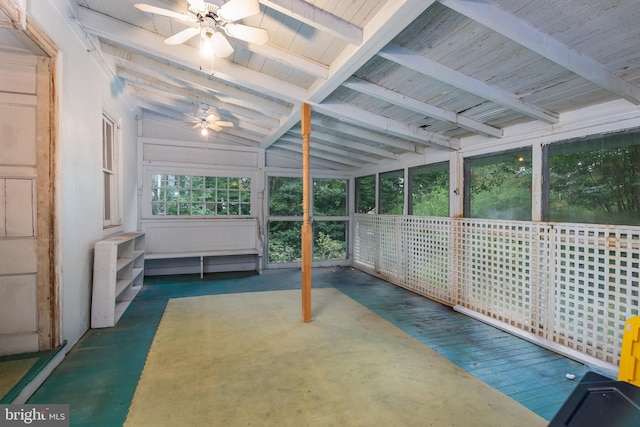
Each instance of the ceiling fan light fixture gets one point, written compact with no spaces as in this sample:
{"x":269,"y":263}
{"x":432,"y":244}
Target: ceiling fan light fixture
{"x":204,"y":132}
{"x":207,"y":43}
{"x":238,"y":9}
{"x":221,"y":46}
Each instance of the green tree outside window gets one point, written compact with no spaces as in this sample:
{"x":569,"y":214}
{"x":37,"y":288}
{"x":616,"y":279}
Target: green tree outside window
{"x":392,"y":192}
{"x":430,"y":190}
{"x":366,"y":194}
{"x":500,"y":186}
{"x":595,"y":181}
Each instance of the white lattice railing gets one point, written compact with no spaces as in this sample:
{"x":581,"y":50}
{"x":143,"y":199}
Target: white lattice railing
{"x":573,"y":285}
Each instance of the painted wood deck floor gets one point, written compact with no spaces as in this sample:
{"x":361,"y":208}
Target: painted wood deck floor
{"x":99,"y":375}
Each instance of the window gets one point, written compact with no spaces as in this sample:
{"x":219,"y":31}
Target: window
{"x":429,"y":189}
{"x":285,"y":241}
{"x":110,"y":172}
{"x":329,"y":219}
{"x":392,"y":192}
{"x":188,"y":195}
{"x":366,"y":194}
{"x":499,"y":186}
{"x":285,"y":204}
{"x":285,"y":196}
{"x":595,"y":180}
{"x":329,"y":197}
{"x":328,"y":215}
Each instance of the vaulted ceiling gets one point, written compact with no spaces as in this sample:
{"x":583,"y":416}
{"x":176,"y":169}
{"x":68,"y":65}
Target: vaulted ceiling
{"x":383,"y":77}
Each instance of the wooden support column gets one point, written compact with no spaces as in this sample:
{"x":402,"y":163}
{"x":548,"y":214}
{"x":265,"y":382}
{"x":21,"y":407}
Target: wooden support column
{"x":306,"y":227}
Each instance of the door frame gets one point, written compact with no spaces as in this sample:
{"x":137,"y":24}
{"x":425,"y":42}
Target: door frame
{"x":48,"y":286}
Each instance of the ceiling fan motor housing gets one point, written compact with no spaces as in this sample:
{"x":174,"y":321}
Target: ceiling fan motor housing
{"x":210,"y":13}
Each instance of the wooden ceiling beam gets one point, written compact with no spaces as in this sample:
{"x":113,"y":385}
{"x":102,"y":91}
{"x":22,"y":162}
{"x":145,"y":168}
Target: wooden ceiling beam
{"x":420,"y":107}
{"x":287,"y":145}
{"x":324,"y":137}
{"x":191,"y":105}
{"x":390,"y":20}
{"x":317,"y":18}
{"x":361,"y":133}
{"x":435,"y":70}
{"x":543,"y":44}
{"x":360,"y":117}
{"x":317,"y":144}
{"x":142,"y":40}
{"x":147,"y":81}
{"x":297,"y":157}
{"x":203,"y":81}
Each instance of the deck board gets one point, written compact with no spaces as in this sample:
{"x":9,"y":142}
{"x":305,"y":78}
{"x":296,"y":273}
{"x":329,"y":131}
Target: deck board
{"x":99,"y":375}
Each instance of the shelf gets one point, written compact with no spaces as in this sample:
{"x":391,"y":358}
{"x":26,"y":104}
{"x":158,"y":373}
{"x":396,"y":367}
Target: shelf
{"x":121,"y":286}
{"x":118,"y":274}
{"x":122,"y":263}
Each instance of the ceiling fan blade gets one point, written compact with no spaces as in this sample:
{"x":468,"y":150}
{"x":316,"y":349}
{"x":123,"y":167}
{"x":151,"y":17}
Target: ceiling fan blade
{"x":212,"y":118}
{"x":246,"y":33}
{"x":214,"y":127}
{"x":238,"y":9}
{"x":197,"y":125}
{"x":221,"y":46}
{"x":182,"y":36}
{"x":198,"y":5}
{"x":164,"y":12}
{"x":223,"y":123}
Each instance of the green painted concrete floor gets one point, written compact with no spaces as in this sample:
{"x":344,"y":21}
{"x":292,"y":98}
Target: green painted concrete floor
{"x":99,"y":375}
{"x":16,"y":371}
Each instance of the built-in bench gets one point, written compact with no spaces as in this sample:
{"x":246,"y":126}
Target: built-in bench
{"x":202,"y":238}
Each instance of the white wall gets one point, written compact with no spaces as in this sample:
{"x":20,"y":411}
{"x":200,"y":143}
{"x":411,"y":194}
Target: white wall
{"x":83,"y":89}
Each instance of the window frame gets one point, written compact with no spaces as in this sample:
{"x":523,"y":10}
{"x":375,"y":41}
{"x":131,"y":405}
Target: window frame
{"x":380,"y":188}
{"x":356,"y":193}
{"x":581,"y":144}
{"x":412,"y":170}
{"x":111,"y":169}
{"x":146,"y":198}
{"x":191,"y":188}
{"x":347,"y":219}
{"x":318,"y":219}
{"x":467,"y":178}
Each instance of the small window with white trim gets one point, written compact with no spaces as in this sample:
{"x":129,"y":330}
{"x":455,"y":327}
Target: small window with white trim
{"x":110,"y":171}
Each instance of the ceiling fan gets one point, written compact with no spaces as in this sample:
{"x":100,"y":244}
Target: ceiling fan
{"x":206,"y":120}
{"x":210,"y":21}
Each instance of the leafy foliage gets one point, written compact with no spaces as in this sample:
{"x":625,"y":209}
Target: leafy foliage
{"x":430,"y":190}
{"x":392,"y":193}
{"x":329,"y":197}
{"x":500,"y":186}
{"x":596,"y":186}
{"x":285,"y":200}
{"x":330,"y":240}
{"x":366,"y":194}
{"x":285,"y":196}
{"x":285,"y":243}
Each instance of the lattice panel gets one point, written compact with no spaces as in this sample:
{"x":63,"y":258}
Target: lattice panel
{"x":596,"y":287}
{"x":377,"y":246}
{"x":573,"y":284}
{"x":427,"y":242}
{"x":391,"y":250}
{"x":365,"y":246}
{"x":496,"y":277}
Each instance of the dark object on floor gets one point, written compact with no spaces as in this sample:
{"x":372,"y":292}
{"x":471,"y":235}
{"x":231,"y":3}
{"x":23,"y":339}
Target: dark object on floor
{"x":600,"y":401}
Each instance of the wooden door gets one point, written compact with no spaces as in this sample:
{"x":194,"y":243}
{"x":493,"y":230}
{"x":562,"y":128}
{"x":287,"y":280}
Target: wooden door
{"x":29,"y":314}
{"x":18,"y":204}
